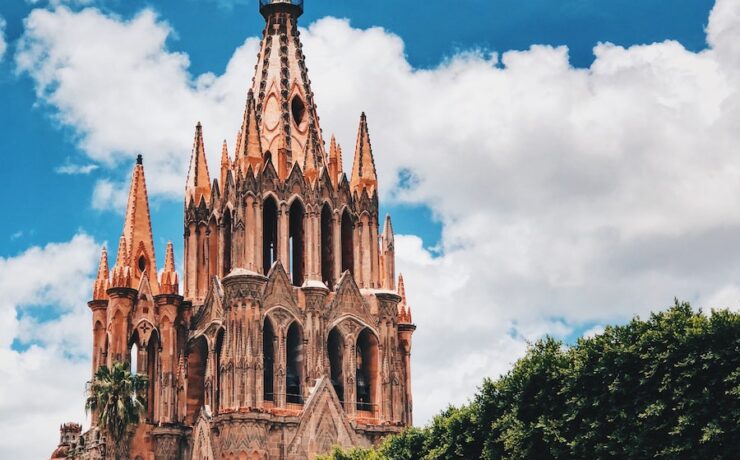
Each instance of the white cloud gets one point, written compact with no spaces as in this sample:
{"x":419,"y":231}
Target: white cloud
{"x":3,"y":44}
{"x":43,"y":308}
{"x":73,"y":169}
{"x":567,"y":196}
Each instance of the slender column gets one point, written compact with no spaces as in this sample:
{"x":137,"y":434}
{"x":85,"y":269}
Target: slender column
{"x":249,"y":224}
{"x":258,"y":236}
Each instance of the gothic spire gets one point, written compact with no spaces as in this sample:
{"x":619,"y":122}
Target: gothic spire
{"x":225,"y":166}
{"x":388,"y":239}
{"x":404,"y":310}
{"x":199,"y":182}
{"x":281,"y":86}
{"x":334,"y":168}
{"x":310,"y":161}
{"x":363,"y":168}
{"x":121,"y":276}
{"x":101,"y":282}
{"x":137,"y":231}
{"x":250,"y":143}
{"x":169,"y":282}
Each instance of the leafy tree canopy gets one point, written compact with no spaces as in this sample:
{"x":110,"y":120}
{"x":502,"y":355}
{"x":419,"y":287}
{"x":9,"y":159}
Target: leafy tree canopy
{"x":667,"y":387}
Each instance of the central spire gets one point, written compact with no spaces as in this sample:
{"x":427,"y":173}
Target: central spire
{"x":268,"y":7}
{"x":284,"y":103}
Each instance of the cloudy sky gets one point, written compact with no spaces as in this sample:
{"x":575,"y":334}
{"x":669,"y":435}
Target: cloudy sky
{"x":552,"y":167}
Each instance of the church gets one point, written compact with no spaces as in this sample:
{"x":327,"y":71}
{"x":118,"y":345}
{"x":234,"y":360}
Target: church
{"x":291,"y":333}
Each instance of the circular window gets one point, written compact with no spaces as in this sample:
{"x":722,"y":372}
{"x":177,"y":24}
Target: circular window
{"x":298,"y":109}
{"x":142,"y":263}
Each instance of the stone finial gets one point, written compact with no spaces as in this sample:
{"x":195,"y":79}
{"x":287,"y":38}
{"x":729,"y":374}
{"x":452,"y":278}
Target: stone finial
{"x":199,"y":182}
{"x":225,"y":165}
{"x":169,"y":282}
{"x":388,"y":238}
{"x":363,"y":167}
{"x":121,"y":276}
{"x":404,"y":310}
{"x":100,"y":287}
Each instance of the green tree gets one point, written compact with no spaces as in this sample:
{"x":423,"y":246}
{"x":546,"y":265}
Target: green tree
{"x":665,"y":387}
{"x":115,"y":396}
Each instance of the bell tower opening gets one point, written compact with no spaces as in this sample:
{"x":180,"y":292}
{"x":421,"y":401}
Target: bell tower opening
{"x":348,"y":246}
{"x":335,"y":349}
{"x":327,"y":247}
{"x":294,"y":364}
{"x":269,"y":234}
{"x":296,"y":242}
{"x":268,"y":351}
{"x":197,"y":357}
{"x":367,"y":370}
{"x":226,"y":222}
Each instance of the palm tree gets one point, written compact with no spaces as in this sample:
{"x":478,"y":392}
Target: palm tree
{"x":115,"y":395}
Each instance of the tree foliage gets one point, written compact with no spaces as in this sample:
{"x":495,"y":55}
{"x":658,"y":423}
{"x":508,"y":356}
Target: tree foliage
{"x":115,"y":395}
{"x":667,"y":387}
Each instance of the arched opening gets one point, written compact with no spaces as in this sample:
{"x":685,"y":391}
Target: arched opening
{"x":297,"y":109}
{"x":152,"y":350}
{"x":218,"y":404}
{"x":134,"y":361}
{"x":335,"y":349}
{"x":296,"y":242}
{"x":197,"y":359}
{"x":348,"y":247}
{"x":327,"y":247}
{"x":294,"y":364}
{"x":226,"y":222}
{"x":366,"y":377}
{"x":212,"y":249}
{"x":268,"y":351}
{"x":269,"y":234}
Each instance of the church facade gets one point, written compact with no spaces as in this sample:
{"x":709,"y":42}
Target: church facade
{"x":291,"y":333}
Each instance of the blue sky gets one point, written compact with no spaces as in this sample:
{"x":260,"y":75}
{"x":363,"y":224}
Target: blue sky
{"x":55,"y":206}
{"x":550,"y":166}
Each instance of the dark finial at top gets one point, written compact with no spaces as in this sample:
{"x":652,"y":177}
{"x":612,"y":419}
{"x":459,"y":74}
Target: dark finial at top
{"x":267,"y":7}
{"x":139,"y":159}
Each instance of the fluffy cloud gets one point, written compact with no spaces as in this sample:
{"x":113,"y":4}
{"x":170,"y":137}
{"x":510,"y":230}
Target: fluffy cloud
{"x":568,"y":197}
{"x":45,"y":361}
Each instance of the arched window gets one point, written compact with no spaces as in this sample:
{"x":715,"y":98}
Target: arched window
{"x":212,"y":250}
{"x":327,"y":247}
{"x":197,"y":359}
{"x":227,"y":226}
{"x":134,"y":353}
{"x":348,"y":247}
{"x":268,"y":351}
{"x":335,"y":350}
{"x":294,"y":364}
{"x":269,"y":234}
{"x":366,"y":377}
{"x":152,"y":349}
{"x":217,"y":403}
{"x":296,"y":242}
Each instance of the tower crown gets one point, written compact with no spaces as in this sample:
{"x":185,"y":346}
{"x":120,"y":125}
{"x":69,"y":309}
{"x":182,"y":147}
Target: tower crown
{"x":267,"y":7}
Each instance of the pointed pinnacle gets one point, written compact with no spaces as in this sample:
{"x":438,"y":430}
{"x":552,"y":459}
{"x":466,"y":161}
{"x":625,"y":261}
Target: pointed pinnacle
{"x":103,"y":265}
{"x":122,"y":256}
{"x":169,"y":260}
{"x":199,"y":181}
{"x":401,"y":289}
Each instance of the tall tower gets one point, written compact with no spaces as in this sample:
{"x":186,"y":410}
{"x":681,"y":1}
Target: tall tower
{"x":292,"y":335}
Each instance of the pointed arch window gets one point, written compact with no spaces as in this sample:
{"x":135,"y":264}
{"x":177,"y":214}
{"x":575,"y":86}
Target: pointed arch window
{"x":366,"y":377}
{"x":348,"y":246}
{"x":227,"y":228}
{"x":327,"y":246}
{"x":335,"y":350}
{"x":294,"y":364}
{"x":268,"y":352}
{"x":296,"y":242}
{"x":269,"y":234}
{"x":197,"y":359}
